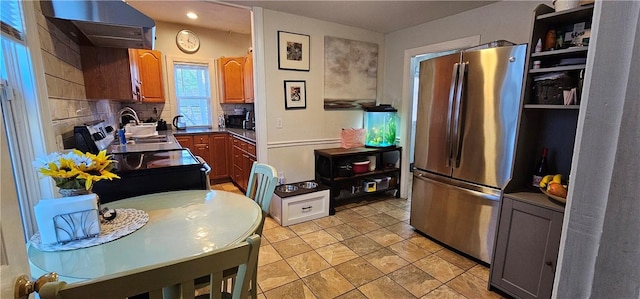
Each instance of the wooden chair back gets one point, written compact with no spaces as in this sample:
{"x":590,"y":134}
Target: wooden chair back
{"x":262,"y":183}
{"x":171,"y":280}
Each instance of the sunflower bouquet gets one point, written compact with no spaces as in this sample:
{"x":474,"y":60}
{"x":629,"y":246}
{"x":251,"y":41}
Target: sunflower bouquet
{"x":75,"y":169}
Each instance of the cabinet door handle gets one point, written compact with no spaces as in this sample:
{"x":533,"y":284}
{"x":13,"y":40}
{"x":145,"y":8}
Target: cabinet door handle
{"x":307,"y":209}
{"x":548,"y":263}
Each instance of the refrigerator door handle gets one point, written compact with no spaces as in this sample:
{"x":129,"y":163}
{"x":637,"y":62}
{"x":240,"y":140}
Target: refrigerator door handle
{"x":457,"y":135}
{"x":452,"y":93}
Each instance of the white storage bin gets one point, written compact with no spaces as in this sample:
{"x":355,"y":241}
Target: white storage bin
{"x":299,"y":208}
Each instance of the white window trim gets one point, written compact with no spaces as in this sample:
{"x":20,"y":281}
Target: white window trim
{"x":213,"y":77}
{"x":35,"y":122}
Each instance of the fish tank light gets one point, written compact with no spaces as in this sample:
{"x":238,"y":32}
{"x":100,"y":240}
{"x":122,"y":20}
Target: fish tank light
{"x":380,"y":122}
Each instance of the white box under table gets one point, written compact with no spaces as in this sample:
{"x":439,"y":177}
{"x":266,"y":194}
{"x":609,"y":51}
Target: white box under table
{"x":289,"y":208}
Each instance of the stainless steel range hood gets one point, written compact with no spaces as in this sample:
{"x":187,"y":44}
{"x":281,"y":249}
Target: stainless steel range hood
{"x":104,"y":23}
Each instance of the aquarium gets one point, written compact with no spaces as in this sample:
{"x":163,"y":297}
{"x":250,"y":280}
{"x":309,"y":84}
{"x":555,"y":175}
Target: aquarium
{"x":380,"y":123}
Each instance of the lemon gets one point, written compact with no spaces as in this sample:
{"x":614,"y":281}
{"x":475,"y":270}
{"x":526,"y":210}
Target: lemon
{"x":545,"y":180}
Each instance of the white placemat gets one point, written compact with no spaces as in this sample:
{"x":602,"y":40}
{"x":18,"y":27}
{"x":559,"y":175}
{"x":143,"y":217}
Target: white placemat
{"x":126,"y":222}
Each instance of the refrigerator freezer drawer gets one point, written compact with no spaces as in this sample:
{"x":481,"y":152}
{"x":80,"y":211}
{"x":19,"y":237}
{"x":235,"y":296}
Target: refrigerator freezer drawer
{"x":462,"y":218}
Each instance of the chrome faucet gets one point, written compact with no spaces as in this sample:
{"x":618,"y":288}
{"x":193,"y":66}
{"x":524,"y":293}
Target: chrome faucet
{"x":130,"y":112}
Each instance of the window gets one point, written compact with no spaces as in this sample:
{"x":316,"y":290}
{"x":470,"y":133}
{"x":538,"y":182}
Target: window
{"x":23,"y":115}
{"x":193,"y":93}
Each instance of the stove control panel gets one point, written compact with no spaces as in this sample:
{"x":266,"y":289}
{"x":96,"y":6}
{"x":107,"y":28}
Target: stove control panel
{"x":93,"y":137}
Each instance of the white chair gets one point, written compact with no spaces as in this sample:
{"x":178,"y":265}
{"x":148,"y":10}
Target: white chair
{"x":262,"y":183}
{"x":171,"y":280}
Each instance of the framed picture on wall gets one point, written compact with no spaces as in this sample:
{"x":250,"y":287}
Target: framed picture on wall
{"x":295,"y":94}
{"x":293,"y":51}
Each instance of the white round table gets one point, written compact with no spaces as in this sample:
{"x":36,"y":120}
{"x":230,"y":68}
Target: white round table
{"x":181,"y":224}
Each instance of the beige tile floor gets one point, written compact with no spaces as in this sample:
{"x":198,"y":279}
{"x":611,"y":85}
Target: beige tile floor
{"x":365,"y":250}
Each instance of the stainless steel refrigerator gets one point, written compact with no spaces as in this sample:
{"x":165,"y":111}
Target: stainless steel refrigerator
{"x":468,"y":105}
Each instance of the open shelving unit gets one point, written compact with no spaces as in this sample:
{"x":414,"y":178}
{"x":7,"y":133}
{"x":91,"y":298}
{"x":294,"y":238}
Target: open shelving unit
{"x":549,"y":125}
{"x":346,"y":185}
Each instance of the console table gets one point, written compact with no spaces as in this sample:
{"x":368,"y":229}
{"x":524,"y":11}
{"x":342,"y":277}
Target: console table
{"x":333,"y":168}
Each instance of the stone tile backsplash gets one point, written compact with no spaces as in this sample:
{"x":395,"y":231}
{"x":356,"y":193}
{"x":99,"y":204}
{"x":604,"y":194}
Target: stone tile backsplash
{"x":68,"y":104}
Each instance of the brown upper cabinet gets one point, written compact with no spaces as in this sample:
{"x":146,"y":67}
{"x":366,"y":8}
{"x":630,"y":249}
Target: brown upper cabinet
{"x":236,"y":79}
{"x":128,"y":75}
{"x":149,"y":64}
{"x":248,"y":78}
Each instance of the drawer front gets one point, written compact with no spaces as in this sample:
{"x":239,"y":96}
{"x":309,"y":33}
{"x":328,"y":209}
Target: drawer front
{"x":200,"y":139}
{"x":239,"y":144}
{"x":185,"y":141}
{"x":237,"y":158}
{"x":305,"y":207}
{"x":251,"y":149}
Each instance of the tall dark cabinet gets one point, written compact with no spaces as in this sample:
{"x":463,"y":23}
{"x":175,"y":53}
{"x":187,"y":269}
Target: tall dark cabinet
{"x":526,"y":252}
{"x":530,"y":224}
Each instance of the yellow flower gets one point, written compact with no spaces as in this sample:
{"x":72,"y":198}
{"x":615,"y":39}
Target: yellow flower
{"x":75,"y":169}
{"x":96,"y":175}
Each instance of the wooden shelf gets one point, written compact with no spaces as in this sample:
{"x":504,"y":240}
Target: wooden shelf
{"x":361,"y":194}
{"x":543,"y":106}
{"x":366,"y":174}
{"x":537,"y":198}
{"x":558,"y":68}
{"x":567,"y":16}
{"x":561,"y":52}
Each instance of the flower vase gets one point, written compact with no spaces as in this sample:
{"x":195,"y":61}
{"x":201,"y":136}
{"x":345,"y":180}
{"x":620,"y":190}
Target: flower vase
{"x":66,"y":192}
{"x":73,"y":192}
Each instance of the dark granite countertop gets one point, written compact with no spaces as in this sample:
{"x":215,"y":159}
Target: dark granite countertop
{"x":248,"y":135}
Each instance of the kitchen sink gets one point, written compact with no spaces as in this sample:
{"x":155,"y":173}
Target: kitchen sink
{"x":151,"y":139}
{"x":145,"y":144}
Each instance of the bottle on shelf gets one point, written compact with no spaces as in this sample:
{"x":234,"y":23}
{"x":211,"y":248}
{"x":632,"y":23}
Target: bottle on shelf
{"x":539,"y":46}
{"x":550,"y":40}
{"x":541,"y":169}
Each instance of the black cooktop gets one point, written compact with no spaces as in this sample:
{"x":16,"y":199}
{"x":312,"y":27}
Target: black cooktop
{"x":151,"y":160}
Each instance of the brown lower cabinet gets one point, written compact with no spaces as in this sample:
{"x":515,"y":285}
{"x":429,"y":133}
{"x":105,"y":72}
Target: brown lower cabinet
{"x":527,"y":244}
{"x":212,"y":147}
{"x":244,"y":154}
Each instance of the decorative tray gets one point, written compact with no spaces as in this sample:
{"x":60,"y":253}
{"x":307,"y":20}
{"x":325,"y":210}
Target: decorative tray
{"x":559,"y":199}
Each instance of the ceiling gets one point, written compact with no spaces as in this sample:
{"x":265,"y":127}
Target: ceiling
{"x":377,"y":16}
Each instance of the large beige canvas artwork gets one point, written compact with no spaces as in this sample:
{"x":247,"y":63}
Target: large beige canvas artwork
{"x":350,"y":73}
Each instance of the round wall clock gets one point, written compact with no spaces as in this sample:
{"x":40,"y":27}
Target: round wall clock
{"x":187,"y":41}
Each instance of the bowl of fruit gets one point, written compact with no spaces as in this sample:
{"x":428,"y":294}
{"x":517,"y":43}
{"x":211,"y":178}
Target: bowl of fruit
{"x":551,"y":185}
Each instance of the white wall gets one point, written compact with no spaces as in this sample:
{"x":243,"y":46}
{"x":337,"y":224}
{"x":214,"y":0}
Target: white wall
{"x":504,"y":20}
{"x":290,"y":149}
{"x":600,"y":246}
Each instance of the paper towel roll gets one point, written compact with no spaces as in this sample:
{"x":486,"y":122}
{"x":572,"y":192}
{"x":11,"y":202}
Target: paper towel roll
{"x":47,"y":209}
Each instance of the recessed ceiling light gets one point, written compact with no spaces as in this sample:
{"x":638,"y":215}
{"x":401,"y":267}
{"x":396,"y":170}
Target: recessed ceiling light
{"x":192,"y":15}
